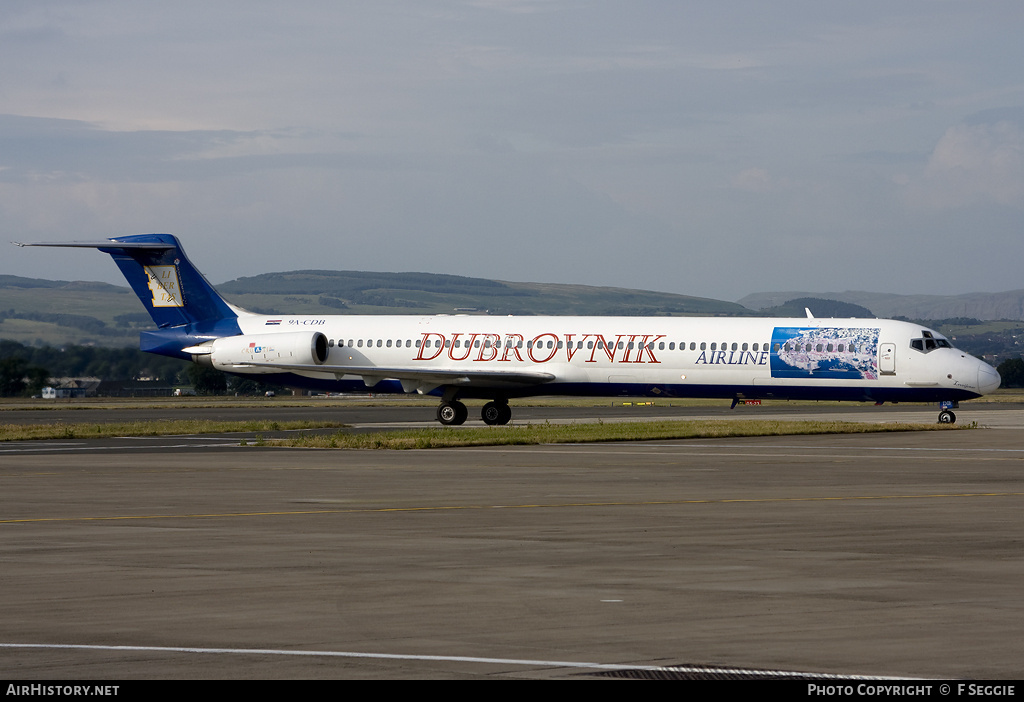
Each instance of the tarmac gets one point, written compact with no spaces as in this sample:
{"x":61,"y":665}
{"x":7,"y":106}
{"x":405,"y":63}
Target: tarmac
{"x":196,"y":558}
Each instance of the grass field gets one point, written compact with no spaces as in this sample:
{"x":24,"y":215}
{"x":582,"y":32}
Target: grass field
{"x":445,"y":437}
{"x":16,"y":403}
{"x":165,"y":427}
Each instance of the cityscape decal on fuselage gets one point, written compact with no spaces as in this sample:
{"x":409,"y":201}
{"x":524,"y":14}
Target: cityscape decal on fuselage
{"x":843,"y":353}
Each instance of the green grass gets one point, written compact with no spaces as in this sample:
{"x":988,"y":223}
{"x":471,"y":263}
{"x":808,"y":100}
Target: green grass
{"x":445,"y":437}
{"x":61,"y":430}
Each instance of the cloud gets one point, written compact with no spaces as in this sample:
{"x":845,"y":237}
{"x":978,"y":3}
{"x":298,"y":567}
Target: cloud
{"x":977,"y":163}
{"x":754,"y":180}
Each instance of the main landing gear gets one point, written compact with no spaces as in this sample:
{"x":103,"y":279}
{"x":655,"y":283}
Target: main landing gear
{"x":454,"y":413}
{"x":496,"y":412}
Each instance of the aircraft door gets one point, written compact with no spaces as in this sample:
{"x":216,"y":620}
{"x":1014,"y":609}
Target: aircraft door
{"x":887,"y":359}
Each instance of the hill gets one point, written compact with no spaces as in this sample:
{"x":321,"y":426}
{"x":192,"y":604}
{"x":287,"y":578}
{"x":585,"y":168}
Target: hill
{"x":984,"y":306}
{"x":35,"y":311}
{"x":357,"y":292}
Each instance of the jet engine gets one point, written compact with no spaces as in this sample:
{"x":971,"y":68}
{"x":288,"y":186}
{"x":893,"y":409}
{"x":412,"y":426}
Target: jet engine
{"x":245,"y":353}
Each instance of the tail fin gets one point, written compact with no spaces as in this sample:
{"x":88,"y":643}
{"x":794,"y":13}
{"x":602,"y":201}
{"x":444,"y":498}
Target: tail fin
{"x":173,"y":291}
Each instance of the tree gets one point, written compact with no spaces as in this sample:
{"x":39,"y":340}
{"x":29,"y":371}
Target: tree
{"x":251,"y":386}
{"x":207,"y":381}
{"x":13,"y":374}
{"x":1012,"y":372}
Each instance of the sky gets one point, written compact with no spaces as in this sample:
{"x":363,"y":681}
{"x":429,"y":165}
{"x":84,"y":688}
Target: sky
{"x":712,"y":149}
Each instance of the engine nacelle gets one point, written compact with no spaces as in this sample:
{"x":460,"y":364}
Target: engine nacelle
{"x":242,"y":354}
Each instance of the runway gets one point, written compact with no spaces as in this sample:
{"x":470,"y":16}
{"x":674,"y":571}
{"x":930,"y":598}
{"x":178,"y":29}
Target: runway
{"x":192,"y":557}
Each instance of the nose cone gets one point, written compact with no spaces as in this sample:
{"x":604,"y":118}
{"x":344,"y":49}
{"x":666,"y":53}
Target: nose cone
{"x":988,"y":378}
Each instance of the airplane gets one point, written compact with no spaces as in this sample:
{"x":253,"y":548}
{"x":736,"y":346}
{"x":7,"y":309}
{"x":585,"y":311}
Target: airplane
{"x":458,"y":357}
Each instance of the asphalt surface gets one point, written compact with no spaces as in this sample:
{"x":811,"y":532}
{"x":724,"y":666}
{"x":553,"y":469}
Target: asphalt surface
{"x":192,"y":557}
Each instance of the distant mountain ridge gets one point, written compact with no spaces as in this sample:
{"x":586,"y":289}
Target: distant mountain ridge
{"x":983,"y":306}
{"x":36,"y":311}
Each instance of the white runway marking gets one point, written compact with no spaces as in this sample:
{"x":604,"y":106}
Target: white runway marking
{"x":456,"y":659}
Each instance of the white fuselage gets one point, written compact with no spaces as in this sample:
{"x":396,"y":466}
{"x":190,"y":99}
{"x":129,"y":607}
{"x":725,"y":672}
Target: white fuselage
{"x":865,"y":359}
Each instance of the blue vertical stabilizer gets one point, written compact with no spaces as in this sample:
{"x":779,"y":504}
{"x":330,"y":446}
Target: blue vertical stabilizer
{"x":182,"y":303}
{"x":173,"y":291}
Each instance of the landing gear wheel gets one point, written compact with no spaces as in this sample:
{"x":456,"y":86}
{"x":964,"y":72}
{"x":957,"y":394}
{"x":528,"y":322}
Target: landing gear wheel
{"x":496,"y":413}
{"x":452,"y":413}
{"x":947,"y":417}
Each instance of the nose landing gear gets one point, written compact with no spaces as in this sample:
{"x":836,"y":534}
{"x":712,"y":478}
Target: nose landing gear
{"x":946,"y":415}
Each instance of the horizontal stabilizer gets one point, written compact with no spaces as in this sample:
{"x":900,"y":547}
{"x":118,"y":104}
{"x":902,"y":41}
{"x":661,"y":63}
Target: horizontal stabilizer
{"x":105,"y":244}
{"x":174,"y":293}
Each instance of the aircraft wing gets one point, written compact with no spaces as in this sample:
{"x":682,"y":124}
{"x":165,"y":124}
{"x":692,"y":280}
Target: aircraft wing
{"x":421,"y":380}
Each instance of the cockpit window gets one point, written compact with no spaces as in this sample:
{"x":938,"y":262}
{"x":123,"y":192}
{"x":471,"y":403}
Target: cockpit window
{"x":929,"y":342}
